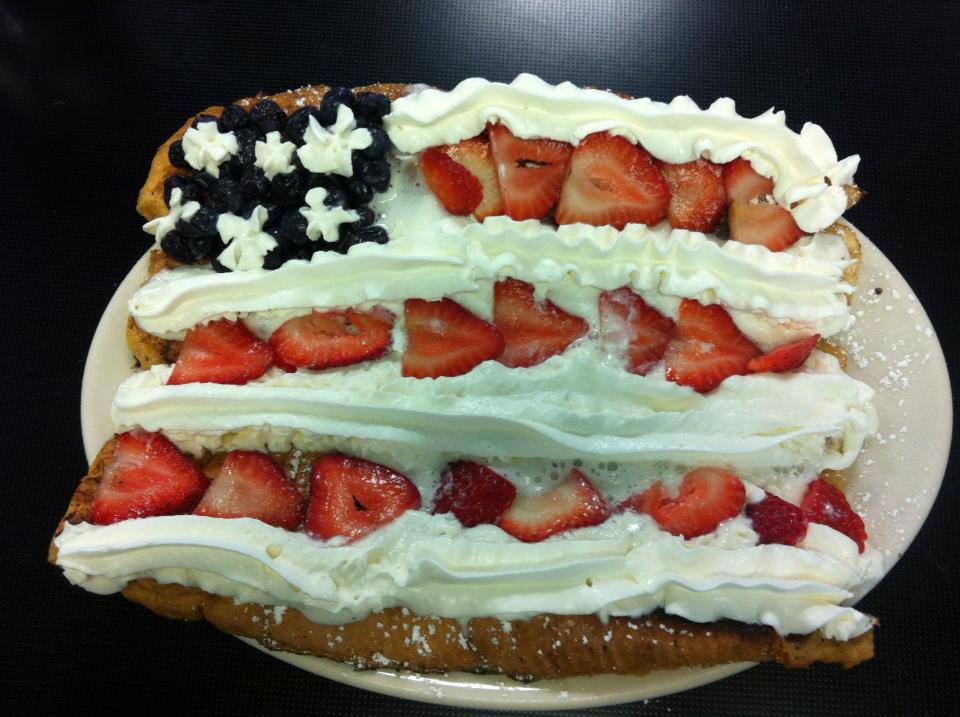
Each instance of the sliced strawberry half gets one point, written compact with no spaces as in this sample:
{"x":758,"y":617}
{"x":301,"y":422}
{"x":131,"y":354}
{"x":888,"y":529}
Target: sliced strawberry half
{"x":530,"y":172}
{"x":612,"y":181}
{"x":147,"y":475}
{"x":777,"y":521}
{"x":784,"y":358}
{"x":474,"y":493}
{"x":532,"y":331}
{"x":769,"y":225}
{"x":332,"y":338}
{"x":742,"y":183}
{"x":475,"y":155}
{"x":629,"y":324}
{"x":444,"y":339}
{"x":707,"y":497}
{"x":457,"y":189}
{"x":697,"y":196}
{"x":709,"y":347}
{"x":353,"y":497}
{"x":826,"y":504}
{"x":250,"y":485}
{"x":221,"y":351}
{"x":575,"y":503}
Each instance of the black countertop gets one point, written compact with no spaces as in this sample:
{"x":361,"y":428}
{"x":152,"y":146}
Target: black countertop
{"x":88,"y":92}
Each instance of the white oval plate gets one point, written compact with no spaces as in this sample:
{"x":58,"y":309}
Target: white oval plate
{"x":891,"y":346}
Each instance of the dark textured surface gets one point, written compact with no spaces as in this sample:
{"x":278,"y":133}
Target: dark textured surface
{"x":88,"y":91}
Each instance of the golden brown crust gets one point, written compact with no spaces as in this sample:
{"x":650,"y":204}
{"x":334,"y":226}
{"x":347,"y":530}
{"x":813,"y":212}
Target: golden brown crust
{"x":546,"y":646}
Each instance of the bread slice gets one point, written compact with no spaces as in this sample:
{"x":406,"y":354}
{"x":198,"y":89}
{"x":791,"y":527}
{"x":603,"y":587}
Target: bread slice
{"x":546,"y":646}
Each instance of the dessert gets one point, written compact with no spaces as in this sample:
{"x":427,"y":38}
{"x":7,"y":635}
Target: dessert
{"x":518,"y":378}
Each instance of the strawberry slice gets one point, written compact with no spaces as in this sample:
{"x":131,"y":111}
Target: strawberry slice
{"x":475,"y":155}
{"x":767,"y":224}
{"x":146,"y":475}
{"x":444,"y":339}
{"x":332,"y":338}
{"x":784,"y":358}
{"x":628,"y":322}
{"x":612,"y":181}
{"x":826,"y":504}
{"x":742,"y":183}
{"x":353,"y":497}
{"x":707,"y":497}
{"x":709,"y":347}
{"x":532,"y":331}
{"x":457,"y":189}
{"x":251,"y":485}
{"x":221,"y":351}
{"x":530,"y":172}
{"x":697,"y":196}
{"x":575,"y":503}
{"x":777,"y":521}
{"x":474,"y":493}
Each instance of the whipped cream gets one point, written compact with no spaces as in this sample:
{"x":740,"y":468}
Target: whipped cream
{"x":273,"y":156}
{"x":205,"y":147}
{"x":161,"y":226}
{"x":328,"y":149}
{"x":808,"y":177}
{"x":324,"y":221}
{"x":247,"y":243}
{"x":433,"y":566}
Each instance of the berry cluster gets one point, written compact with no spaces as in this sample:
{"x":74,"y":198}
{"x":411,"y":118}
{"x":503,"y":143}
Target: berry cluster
{"x":242,"y":185}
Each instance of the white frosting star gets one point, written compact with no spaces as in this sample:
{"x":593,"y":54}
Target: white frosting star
{"x":248,"y":242}
{"x":323,"y":220}
{"x":273,"y":156}
{"x":328,"y":149}
{"x":204,"y":147}
{"x":160,"y":226}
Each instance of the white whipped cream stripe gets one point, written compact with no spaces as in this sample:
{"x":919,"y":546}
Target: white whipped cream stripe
{"x":434,"y":566}
{"x":804,"y":166}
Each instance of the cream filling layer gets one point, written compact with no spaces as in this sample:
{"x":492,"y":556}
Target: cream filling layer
{"x":807,"y":174}
{"x":434,"y":566}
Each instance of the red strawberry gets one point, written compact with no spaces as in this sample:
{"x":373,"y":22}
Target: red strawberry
{"x":473,"y":493}
{"x":612,"y":181}
{"x":826,"y":504}
{"x":768,"y":224}
{"x":251,"y":485}
{"x":444,"y":339}
{"x":709,"y":347}
{"x":532,"y":331}
{"x":530,"y":172}
{"x":475,"y":155}
{"x":331,"y":338}
{"x":784,"y":358}
{"x":353,"y":497}
{"x":708,"y":496}
{"x":777,"y":521}
{"x":575,"y":503}
{"x":457,"y":189}
{"x":221,"y":351}
{"x":147,"y":475}
{"x":627,"y":320}
{"x":742,"y":183}
{"x":642,"y":502}
{"x":697,"y":197}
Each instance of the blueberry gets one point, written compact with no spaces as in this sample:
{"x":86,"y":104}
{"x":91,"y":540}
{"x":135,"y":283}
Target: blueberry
{"x":378,"y":148}
{"x":201,"y":248}
{"x":232,"y":118}
{"x":375,"y":233}
{"x":335,"y":197}
{"x":363,"y":123}
{"x":267,"y":116}
{"x":203,"y":223}
{"x":184,"y":182}
{"x":202,"y":118}
{"x":366,"y":219}
{"x":298,"y":122}
{"x":225,"y":195}
{"x":372,"y":105}
{"x":376,"y":173}
{"x":176,"y":155}
{"x":253,"y":184}
{"x":204,"y":180}
{"x":175,"y":245}
{"x":274,"y":258}
{"x":359,"y":192}
{"x":274,"y":212}
{"x":287,"y":189}
{"x":190,"y":250}
{"x":293,"y":226}
{"x":331,"y":101}
{"x":304,"y":253}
